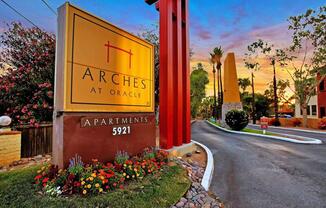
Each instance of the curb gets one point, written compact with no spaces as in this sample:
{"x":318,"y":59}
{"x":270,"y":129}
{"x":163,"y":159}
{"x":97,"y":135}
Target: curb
{"x":293,"y":129}
{"x":208,"y":174}
{"x":312,"y":141}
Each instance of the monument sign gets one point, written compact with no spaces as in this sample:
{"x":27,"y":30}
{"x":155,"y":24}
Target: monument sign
{"x":231,"y":94}
{"x":104,"y":89}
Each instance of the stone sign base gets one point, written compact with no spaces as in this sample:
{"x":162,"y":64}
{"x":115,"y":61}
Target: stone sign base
{"x":226,"y":107}
{"x":101,"y":135}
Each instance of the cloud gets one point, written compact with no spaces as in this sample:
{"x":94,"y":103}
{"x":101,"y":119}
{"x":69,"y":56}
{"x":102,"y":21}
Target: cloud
{"x":240,"y":13}
{"x":278,"y":34}
{"x":225,"y":35}
{"x":200,"y":31}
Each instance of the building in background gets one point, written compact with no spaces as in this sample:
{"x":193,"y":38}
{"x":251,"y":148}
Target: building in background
{"x":321,"y":99}
{"x":317,"y":104}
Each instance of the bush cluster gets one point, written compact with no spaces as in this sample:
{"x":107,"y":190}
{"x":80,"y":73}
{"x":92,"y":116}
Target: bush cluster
{"x":97,"y":177}
{"x":296,"y":122}
{"x":322,"y":123}
{"x":274,"y":122}
{"x":26,"y":87}
{"x":237,"y":119}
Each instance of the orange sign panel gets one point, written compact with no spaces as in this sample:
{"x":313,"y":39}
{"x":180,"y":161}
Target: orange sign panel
{"x":105,"y":68}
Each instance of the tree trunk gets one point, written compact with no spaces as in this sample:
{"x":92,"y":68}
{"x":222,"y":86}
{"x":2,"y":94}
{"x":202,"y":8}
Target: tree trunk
{"x":304,"y":115}
{"x":275,"y":93}
{"x":214,"y":106}
{"x":220,"y":89}
{"x":253,"y":99}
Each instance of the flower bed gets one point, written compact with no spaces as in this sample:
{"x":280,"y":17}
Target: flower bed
{"x":97,"y":177}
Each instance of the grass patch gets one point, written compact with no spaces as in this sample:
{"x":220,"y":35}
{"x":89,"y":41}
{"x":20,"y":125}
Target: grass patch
{"x":214,"y":123}
{"x":254,"y":131}
{"x":163,"y":190}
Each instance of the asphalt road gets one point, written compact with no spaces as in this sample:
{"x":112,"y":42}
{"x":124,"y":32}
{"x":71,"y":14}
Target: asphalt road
{"x":294,"y":132}
{"x":252,"y":172}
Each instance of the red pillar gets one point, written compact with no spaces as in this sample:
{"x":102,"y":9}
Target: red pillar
{"x":186,"y":72}
{"x":166,"y":74}
{"x":174,"y":72}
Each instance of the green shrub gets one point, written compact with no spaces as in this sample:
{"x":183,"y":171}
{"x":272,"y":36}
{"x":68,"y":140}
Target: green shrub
{"x":237,"y":119}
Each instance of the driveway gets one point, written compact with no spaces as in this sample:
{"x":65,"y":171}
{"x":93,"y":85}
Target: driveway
{"x":252,"y":172}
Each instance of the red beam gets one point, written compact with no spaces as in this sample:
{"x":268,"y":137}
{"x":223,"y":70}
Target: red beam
{"x":178,"y":76}
{"x":186,"y":73}
{"x":166,"y":74}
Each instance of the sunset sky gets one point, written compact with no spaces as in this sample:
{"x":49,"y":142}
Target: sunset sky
{"x":233,"y":24}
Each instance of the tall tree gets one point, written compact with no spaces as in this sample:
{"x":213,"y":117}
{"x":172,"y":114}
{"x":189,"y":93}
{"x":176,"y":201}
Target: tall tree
{"x":244,"y":83}
{"x":252,"y":64}
{"x":213,"y":61}
{"x":206,"y":107}
{"x":274,"y":56}
{"x":198,"y":81}
{"x":309,"y":49}
{"x":282,"y":86}
{"x":151,"y":35}
{"x":216,"y":56}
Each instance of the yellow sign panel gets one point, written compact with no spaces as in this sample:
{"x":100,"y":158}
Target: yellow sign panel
{"x":106,"y":68}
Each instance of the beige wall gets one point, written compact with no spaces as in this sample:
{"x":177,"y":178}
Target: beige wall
{"x":312,"y":101}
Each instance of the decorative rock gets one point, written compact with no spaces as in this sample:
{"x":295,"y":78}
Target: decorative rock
{"x":191,"y":205}
{"x":5,"y":120}
{"x":179,"y":204}
{"x":184,"y":200}
{"x":38,"y":157}
{"x":196,"y":195}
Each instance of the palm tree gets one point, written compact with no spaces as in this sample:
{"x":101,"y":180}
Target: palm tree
{"x":217,"y":55}
{"x":244,"y":83}
{"x":212,"y":60}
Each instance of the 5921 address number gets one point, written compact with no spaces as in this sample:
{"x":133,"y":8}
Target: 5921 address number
{"x":120,"y":130}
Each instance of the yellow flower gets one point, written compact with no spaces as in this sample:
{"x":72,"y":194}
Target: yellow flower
{"x":83,"y":182}
{"x":38,"y":171}
{"x":60,"y":171}
{"x":124,"y":165}
{"x":84,"y":192}
{"x":94,"y":175}
{"x":91,"y":178}
{"x":43,"y":168}
{"x":133,"y":176}
{"x":89,"y":186}
{"x":124,"y":174}
{"x":102,"y":177}
{"x":137,"y":175}
{"x":97,"y":185}
{"x":100,"y":190}
{"x":82,"y":179}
